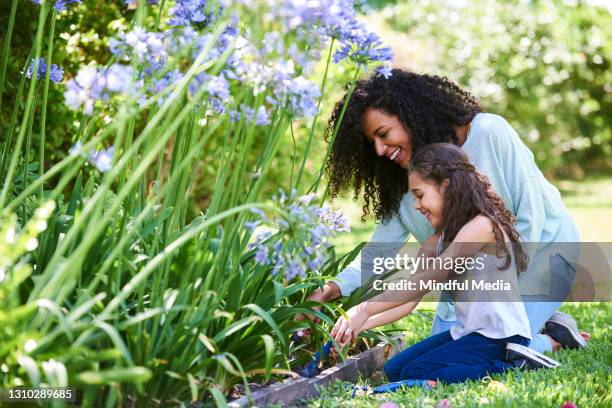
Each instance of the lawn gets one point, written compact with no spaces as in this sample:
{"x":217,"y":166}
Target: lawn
{"x":584,"y":376}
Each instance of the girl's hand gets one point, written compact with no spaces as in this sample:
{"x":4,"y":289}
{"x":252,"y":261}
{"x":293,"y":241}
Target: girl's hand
{"x":347,"y":329}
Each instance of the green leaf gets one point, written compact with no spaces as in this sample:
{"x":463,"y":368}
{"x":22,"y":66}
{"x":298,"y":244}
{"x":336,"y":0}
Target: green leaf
{"x":268,"y":319}
{"x":269,"y":345}
{"x":129,"y":375}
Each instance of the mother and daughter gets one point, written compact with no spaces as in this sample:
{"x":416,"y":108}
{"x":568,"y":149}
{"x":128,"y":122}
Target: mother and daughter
{"x":434,"y":166}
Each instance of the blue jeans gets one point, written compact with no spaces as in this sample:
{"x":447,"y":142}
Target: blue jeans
{"x":538,"y":310}
{"x":441,"y":358}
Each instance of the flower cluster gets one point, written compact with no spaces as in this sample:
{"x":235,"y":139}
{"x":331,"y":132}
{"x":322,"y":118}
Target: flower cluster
{"x":337,"y":19}
{"x":190,"y":12}
{"x":296,"y":242}
{"x":60,"y":5}
{"x":56,"y":73}
{"x":277,"y":64}
{"x":100,"y":159}
{"x":98,"y":84}
{"x":145,"y":47}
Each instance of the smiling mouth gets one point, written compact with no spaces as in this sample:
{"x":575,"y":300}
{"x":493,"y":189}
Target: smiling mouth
{"x":395,"y":154}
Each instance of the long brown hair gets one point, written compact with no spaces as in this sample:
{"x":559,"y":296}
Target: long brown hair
{"x":469,"y":193}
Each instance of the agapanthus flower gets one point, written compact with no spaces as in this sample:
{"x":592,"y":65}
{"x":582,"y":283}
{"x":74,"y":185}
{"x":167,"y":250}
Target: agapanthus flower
{"x":142,"y":46}
{"x":94,"y":84}
{"x":161,"y":84}
{"x":384,"y":70}
{"x":102,"y":159}
{"x":296,"y":242}
{"x":261,"y":117}
{"x":190,"y":12}
{"x":56,"y":74}
{"x":75,"y":148}
{"x":60,"y":5}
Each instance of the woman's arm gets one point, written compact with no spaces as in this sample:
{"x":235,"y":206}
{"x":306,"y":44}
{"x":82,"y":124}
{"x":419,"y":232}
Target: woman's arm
{"x":389,"y":316}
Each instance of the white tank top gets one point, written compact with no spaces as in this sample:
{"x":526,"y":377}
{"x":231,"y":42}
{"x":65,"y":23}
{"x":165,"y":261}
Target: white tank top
{"x":496,"y":314}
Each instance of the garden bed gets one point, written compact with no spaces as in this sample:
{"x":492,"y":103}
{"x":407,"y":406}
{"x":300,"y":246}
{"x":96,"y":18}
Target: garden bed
{"x":290,"y":390}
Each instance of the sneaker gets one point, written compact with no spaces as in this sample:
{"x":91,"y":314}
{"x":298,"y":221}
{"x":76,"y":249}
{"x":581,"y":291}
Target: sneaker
{"x":525,"y":358}
{"x":563,"y":329}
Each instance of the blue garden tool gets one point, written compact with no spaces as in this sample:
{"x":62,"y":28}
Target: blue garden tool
{"x":391,"y":387}
{"x":394,"y":386}
{"x":311,"y":369}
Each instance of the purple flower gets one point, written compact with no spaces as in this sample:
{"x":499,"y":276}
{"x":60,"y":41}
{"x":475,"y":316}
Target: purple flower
{"x":189,"y":12}
{"x":219,"y":87}
{"x":301,"y":238}
{"x":102,"y":159}
{"x":234,"y":116}
{"x":56,"y":74}
{"x":60,"y":5}
{"x":92,"y":84}
{"x":261,"y":257}
{"x":84,"y":89}
{"x":262,"y":118}
{"x":294,"y":269}
{"x":384,"y":70}
{"x":141,"y":46}
{"x":75,"y":148}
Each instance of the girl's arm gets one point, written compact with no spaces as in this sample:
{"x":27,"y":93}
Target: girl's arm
{"x":389,"y":316}
{"x":469,"y":240}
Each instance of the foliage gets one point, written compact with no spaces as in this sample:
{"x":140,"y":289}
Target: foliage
{"x":549,"y":74}
{"x":130,"y":293}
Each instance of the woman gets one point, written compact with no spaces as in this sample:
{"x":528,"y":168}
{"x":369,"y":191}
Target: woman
{"x":386,"y":120}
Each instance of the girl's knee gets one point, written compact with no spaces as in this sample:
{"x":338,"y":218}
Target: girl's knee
{"x":414,"y":371}
{"x":391,"y":371}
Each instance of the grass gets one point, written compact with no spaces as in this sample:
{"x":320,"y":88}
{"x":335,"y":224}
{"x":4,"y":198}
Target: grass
{"x":584,"y":376}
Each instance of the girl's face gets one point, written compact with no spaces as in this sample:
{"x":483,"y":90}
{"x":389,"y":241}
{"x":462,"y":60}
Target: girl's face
{"x":428,"y":197}
{"x":389,"y":136}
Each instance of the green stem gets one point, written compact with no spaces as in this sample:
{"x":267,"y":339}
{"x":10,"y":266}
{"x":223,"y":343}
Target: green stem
{"x":13,"y":121}
{"x":22,"y":131}
{"x":43,"y":111}
{"x":314,"y":120}
{"x":315,"y":186}
{"x":7,"y":48}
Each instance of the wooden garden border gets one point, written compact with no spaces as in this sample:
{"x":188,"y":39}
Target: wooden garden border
{"x":286,"y":392}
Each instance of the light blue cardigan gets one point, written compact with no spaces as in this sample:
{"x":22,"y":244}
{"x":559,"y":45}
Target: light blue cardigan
{"x":496,"y":150}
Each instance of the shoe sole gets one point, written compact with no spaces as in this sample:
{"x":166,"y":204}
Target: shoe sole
{"x":579,"y":342}
{"x":546,"y":361}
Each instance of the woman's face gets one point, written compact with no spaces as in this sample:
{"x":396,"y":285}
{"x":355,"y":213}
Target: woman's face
{"x":390,"y":138}
{"x":428,"y":197}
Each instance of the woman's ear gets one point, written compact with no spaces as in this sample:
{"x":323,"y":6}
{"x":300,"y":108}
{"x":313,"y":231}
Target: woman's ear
{"x":444,"y":185}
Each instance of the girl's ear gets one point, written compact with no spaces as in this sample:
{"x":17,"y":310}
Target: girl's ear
{"x":444,"y":185}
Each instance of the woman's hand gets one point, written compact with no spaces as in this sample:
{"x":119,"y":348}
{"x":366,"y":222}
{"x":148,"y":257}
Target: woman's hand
{"x":347,"y":329}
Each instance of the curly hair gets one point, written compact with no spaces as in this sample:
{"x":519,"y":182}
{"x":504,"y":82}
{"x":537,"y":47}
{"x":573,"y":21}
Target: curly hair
{"x":469,"y":193}
{"x":427,"y":105}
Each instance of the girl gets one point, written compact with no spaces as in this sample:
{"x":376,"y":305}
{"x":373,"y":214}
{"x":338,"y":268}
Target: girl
{"x":386,"y":119}
{"x":464,"y":211}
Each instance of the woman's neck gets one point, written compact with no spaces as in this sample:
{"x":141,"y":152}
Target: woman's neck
{"x":462,"y":133}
